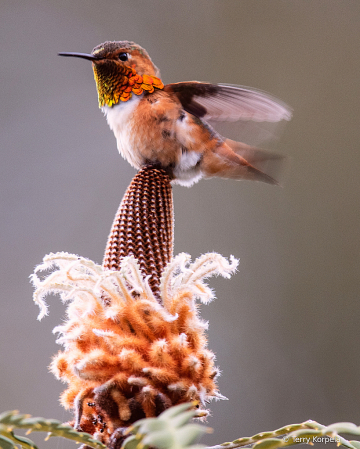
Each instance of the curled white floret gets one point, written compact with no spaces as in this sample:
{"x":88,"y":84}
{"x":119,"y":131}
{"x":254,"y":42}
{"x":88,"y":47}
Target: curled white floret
{"x":85,"y":284}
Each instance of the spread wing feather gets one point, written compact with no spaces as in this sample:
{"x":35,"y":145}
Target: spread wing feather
{"x":225,"y":102}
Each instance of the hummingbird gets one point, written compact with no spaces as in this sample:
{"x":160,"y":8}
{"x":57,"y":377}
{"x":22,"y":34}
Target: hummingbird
{"x":174,"y":125}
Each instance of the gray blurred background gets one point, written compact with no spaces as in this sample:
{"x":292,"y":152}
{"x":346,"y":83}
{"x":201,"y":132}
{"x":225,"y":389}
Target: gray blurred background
{"x":285,"y":328}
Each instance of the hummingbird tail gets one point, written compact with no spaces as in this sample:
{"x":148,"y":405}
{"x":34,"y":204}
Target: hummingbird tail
{"x":270,"y":164}
{"x":236,"y":160}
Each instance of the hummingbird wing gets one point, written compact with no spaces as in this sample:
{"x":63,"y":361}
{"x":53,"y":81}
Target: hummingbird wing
{"x":237,"y":112}
{"x":225,"y":102}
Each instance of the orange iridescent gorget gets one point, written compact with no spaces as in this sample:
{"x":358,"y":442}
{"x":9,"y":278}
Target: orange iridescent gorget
{"x":113,"y":88}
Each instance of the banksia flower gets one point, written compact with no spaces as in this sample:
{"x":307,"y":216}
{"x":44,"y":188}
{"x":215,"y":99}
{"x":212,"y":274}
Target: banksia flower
{"x":126,"y":356}
{"x":133,"y":347}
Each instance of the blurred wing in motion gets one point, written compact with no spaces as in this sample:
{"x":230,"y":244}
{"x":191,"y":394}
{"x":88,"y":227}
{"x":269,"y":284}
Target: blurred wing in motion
{"x":259,"y":116}
{"x":253,"y":133}
{"x":224,"y":102}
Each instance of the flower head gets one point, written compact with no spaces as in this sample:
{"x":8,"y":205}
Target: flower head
{"x":127,"y":356}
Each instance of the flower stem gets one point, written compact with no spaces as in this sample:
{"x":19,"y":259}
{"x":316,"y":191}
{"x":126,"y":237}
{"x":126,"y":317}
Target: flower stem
{"x":144,"y":225}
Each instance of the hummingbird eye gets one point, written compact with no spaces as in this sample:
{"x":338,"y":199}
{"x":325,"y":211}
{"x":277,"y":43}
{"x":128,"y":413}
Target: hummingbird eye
{"x":123,"y":56}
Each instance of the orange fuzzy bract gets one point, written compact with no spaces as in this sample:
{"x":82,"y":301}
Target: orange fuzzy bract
{"x":141,"y":344}
{"x":127,"y":356}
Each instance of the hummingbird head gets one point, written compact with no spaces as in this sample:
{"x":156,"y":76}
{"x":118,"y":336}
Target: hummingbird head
{"x":121,"y":68}
{"x":124,"y":54}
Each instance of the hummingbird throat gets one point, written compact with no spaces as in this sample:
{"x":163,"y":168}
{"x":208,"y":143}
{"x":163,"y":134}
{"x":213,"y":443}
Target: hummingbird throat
{"x":115,"y":84}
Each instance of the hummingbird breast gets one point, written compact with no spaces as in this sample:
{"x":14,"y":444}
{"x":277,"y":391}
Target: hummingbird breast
{"x":154,"y":128}
{"x":119,"y":118}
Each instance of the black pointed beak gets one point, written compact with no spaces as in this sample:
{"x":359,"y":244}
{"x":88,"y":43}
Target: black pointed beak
{"x":80,"y":55}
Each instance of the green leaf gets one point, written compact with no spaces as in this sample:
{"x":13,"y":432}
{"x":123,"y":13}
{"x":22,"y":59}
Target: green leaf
{"x":240,"y":441}
{"x":269,"y":443}
{"x":305,"y":433}
{"x":6,"y":443}
{"x":24,"y":442}
{"x":355,"y":443}
{"x":286,"y":429}
{"x":162,"y":439}
{"x":189,"y":433}
{"x":298,"y":433}
{"x":131,"y":442}
{"x":344,"y":427}
{"x":183,"y":418}
{"x":55,"y":428}
{"x":7,"y":415}
{"x":152,"y":425}
{"x":262,"y":435}
{"x":174,"y":411}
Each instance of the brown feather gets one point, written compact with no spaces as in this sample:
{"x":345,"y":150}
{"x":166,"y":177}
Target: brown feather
{"x":272,"y":164}
{"x":225,"y":163}
{"x":229,"y":102}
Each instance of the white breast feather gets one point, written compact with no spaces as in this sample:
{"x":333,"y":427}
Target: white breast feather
{"x":186,"y":171}
{"x":119,"y":119}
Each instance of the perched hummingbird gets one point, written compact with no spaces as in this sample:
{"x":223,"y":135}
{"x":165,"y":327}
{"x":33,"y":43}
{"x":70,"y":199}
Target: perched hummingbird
{"x":169,"y":125}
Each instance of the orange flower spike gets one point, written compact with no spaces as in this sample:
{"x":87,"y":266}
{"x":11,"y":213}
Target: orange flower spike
{"x":159,"y":327}
{"x":179,"y":347}
{"x":148,"y":401}
{"x":196,"y":339}
{"x":120,"y":381}
{"x":116,"y":344}
{"x":162,"y":328}
{"x":191,"y":368}
{"x":97,"y":366}
{"x":87,"y":342}
{"x":132,"y":361}
{"x":162,"y":375}
{"x":123,"y":405}
{"x":207,"y":360}
{"x":68,"y":396}
{"x":59,"y":366}
{"x":182,"y":308}
{"x":160,"y":356}
{"x":124,"y":326}
{"x":137,"y":323}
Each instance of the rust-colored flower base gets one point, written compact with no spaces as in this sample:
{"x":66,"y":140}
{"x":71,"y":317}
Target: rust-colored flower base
{"x":143,"y":226}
